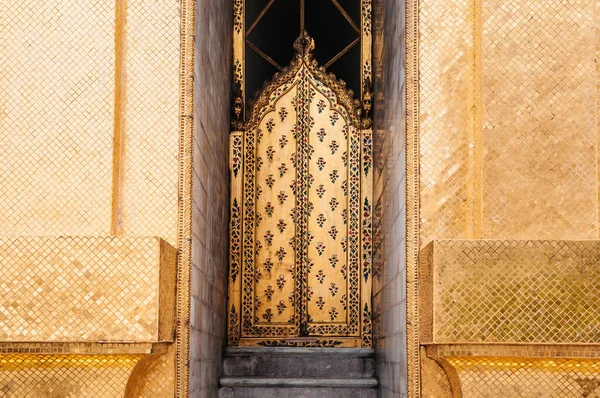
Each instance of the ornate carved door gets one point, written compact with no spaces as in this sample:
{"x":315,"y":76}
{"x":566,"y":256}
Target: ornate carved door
{"x":300,"y":263}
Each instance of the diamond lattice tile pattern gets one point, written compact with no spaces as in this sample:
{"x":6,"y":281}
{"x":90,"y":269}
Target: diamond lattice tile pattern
{"x":79,"y":289}
{"x":516,"y":291}
{"x":522,"y":377}
{"x":508,"y":120}
{"x":151,"y":120}
{"x":538,"y":93}
{"x":89,"y":376}
{"x":56,"y":128}
{"x":57,"y":95}
{"x":447,"y":120}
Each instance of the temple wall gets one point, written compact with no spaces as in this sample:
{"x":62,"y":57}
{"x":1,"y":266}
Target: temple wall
{"x":503,"y":152}
{"x":539,"y":129}
{"x":389,"y":277}
{"x":147,"y":129}
{"x":508,"y":124}
{"x":56,"y":117}
{"x":91,"y":125}
{"x":211,"y":191}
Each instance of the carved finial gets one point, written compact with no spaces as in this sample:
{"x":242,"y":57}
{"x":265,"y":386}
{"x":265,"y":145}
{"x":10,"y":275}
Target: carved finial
{"x":304,"y":45}
{"x":237,"y":106}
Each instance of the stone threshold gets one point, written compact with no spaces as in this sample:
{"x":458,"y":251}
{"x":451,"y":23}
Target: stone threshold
{"x":370,"y":382}
{"x":302,"y":351}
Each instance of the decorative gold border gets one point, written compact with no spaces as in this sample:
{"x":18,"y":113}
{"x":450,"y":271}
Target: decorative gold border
{"x":184,"y":222}
{"x":258,"y":106}
{"x":366,"y":237}
{"x":412,"y":198}
{"x":239,"y":61}
{"x":235,"y":275}
{"x":366,"y":68}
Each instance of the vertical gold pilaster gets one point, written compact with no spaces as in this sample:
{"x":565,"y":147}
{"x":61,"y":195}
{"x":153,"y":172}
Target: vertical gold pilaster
{"x":118,"y":146}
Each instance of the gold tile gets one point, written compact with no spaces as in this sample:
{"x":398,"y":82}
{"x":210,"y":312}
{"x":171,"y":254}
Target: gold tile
{"x":538,"y":99}
{"x":86,"y":289}
{"x":66,"y":375}
{"x":56,"y":95}
{"x":149,"y":161}
{"x":507,"y":120}
{"x":496,"y":291}
{"x":525,"y":377}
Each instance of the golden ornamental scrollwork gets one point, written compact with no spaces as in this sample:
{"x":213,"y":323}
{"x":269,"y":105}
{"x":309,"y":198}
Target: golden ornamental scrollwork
{"x":304,"y":47}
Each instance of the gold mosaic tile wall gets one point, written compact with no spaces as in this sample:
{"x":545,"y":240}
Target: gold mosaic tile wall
{"x":86,"y":289}
{"x":508,"y":119}
{"x":68,"y":93}
{"x":57,"y":64}
{"x":503,"y":146}
{"x":492,"y":291}
{"x":539,"y":137}
{"x":149,"y":126}
{"x":500,"y":377}
{"x":447,"y":123}
{"x":31,"y":375}
{"x":90,"y":133}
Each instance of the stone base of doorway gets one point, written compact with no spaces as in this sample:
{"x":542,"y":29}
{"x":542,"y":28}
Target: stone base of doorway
{"x":282,"y":372}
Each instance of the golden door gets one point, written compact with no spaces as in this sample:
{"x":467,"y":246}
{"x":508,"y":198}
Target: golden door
{"x":300,"y":259}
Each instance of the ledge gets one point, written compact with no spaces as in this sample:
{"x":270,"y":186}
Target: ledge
{"x":508,"y":291}
{"x":527,"y":350}
{"x":76,"y":290}
{"x":78,"y":348}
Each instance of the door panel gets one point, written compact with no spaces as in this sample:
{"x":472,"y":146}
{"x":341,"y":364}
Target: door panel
{"x":328,"y":263}
{"x":300,"y":259}
{"x":274,"y":265}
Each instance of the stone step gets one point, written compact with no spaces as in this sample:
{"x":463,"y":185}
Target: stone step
{"x":297,"y":393}
{"x":369,"y":382}
{"x":282,"y":362}
{"x":296,"y":388}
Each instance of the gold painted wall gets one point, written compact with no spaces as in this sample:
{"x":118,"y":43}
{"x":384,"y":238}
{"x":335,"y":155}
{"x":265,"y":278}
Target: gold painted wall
{"x":508,"y":119}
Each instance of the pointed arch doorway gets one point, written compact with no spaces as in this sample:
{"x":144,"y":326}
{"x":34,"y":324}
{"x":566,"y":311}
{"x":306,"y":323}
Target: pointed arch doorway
{"x":300,"y":228}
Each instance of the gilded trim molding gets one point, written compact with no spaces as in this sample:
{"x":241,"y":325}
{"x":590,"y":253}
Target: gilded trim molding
{"x":412,"y":199}
{"x":184,"y":222}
